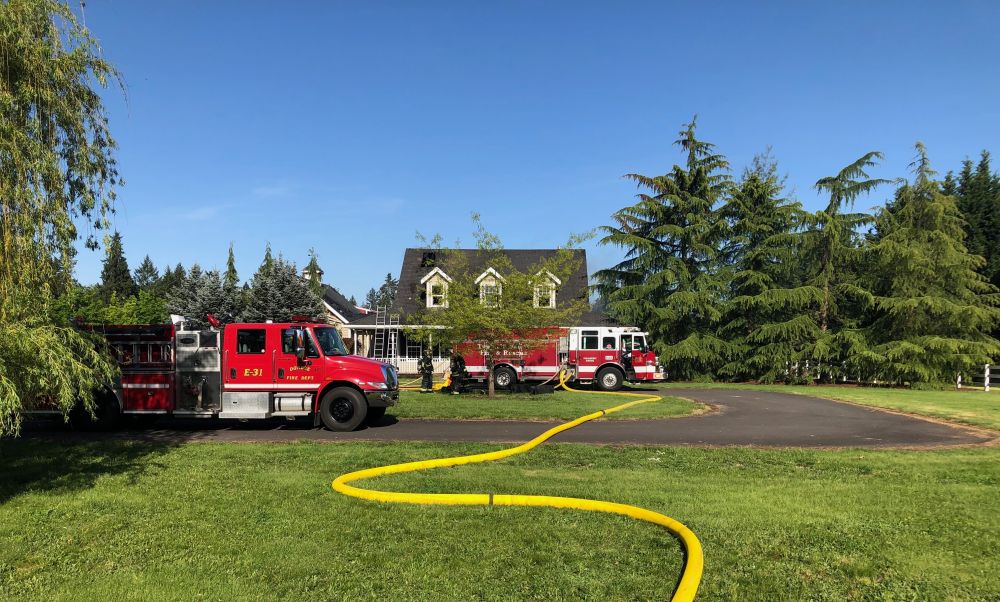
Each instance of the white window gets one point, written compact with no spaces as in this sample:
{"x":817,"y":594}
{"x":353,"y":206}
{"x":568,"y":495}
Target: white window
{"x":489,"y":294}
{"x":437,"y":294}
{"x":436,"y":282}
{"x":414,"y":347}
{"x":545,"y":290}
{"x":490,"y":287}
{"x":545,"y":296}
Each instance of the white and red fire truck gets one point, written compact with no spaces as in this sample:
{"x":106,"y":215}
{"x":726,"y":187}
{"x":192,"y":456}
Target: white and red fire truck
{"x":246,"y":371}
{"x":606,"y":356}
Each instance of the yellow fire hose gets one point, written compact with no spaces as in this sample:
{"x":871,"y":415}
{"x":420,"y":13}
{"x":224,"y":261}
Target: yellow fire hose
{"x":436,"y":386}
{"x":694,"y":561}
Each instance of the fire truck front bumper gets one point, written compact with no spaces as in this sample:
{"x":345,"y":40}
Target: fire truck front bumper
{"x":382,"y":399}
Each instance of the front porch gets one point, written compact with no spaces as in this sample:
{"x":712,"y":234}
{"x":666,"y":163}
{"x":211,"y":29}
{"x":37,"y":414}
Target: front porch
{"x":400,"y":347}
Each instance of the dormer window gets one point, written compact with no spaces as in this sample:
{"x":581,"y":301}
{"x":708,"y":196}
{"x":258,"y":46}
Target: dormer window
{"x":545,"y":290}
{"x":437,"y":283}
{"x":490,"y":287}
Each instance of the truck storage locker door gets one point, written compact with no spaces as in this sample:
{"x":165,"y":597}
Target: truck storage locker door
{"x":250,"y":357}
{"x":589,"y":356}
{"x":147,"y":391}
{"x":542,"y":362}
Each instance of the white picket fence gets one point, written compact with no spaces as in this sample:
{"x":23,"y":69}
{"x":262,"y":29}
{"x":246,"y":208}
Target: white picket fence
{"x":990,"y":374}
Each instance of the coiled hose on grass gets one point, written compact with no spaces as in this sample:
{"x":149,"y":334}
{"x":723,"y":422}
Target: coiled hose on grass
{"x":694,"y":561}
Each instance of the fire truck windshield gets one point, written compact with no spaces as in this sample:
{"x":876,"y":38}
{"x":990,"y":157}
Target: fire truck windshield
{"x":330,"y":341}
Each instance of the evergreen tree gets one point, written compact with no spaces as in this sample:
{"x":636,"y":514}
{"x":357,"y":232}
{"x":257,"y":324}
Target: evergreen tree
{"x":766,"y":320}
{"x":371,"y":299}
{"x":183,"y":298}
{"x":116,"y":278}
{"x":234,"y":296}
{"x":934,"y":312}
{"x":978,"y":192}
{"x":232,"y":279}
{"x":387,"y":292}
{"x":353,"y":301}
{"x":169,"y":281}
{"x":277,"y":293}
{"x":832,"y":252}
{"x":385,"y":295}
{"x":146,"y":275}
{"x":204,"y":293}
{"x":670,"y":282}
{"x":268,"y":263}
{"x":314,"y":274}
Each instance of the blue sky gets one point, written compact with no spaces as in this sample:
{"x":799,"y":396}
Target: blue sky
{"x":348,"y":127}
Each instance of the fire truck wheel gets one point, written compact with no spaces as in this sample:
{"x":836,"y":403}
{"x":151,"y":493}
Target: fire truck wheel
{"x":504,"y":377}
{"x":375,"y":415}
{"x":609,"y":379}
{"x":343,"y":409}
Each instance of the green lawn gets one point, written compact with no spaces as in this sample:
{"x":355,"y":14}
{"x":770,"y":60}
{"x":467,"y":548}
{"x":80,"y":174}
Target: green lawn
{"x":127,"y":520}
{"x":967,"y":406}
{"x":561,"y":405}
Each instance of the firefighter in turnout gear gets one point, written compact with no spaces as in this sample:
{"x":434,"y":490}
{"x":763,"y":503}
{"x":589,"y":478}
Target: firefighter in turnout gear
{"x":458,"y":374}
{"x":426,"y":369}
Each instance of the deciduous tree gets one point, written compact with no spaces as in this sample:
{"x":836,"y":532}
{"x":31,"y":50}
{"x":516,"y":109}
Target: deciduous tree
{"x":510,"y":319}
{"x":57,"y":169}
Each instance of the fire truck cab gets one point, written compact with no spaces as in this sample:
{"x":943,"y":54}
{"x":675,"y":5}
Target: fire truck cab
{"x":608,"y":356}
{"x":246,"y":371}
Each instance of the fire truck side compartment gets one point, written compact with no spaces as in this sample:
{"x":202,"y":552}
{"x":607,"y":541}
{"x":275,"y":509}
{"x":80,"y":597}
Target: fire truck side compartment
{"x":262,"y":404}
{"x":199,"y":383}
{"x":245,"y":404}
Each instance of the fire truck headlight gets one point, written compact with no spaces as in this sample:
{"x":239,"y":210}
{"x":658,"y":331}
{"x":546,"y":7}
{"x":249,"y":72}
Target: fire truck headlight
{"x":379,"y":386}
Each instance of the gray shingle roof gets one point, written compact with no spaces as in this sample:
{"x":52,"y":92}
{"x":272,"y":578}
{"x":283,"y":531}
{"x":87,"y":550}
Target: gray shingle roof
{"x":409,"y":299}
{"x":340,"y":303}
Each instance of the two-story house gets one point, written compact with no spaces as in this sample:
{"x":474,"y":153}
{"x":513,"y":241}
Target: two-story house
{"x":424,"y":283}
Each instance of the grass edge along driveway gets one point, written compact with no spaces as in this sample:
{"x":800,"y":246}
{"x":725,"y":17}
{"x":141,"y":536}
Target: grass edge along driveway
{"x":968,"y":406}
{"x":561,"y":405}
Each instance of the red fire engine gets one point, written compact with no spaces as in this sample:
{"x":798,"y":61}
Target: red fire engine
{"x":246,"y":371}
{"x":606,"y":356}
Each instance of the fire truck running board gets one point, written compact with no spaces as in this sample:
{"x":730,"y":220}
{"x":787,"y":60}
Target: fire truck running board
{"x":196,"y":413}
{"x":245,"y":405}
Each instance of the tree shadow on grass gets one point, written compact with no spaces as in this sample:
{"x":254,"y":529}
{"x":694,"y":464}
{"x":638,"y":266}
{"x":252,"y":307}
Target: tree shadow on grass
{"x":63,"y":462}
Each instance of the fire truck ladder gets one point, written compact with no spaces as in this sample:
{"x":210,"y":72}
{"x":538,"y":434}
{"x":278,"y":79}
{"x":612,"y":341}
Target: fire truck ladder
{"x":386,"y":336}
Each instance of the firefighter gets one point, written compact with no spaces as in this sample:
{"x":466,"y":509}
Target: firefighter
{"x":426,"y":369}
{"x":626,"y":360}
{"x":457,"y":372}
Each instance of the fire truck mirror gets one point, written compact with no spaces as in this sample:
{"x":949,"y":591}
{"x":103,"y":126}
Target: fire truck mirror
{"x":300,"y":345}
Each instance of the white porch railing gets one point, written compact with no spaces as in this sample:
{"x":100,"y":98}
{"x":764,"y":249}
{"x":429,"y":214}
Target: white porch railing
{"x":408,"y":365}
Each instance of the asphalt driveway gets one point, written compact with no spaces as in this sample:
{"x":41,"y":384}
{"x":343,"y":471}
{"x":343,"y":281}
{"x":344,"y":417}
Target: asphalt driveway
{"x":745,"y":418}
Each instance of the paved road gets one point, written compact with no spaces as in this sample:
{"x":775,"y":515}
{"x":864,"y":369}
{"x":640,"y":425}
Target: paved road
{"x":748,"y":418}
